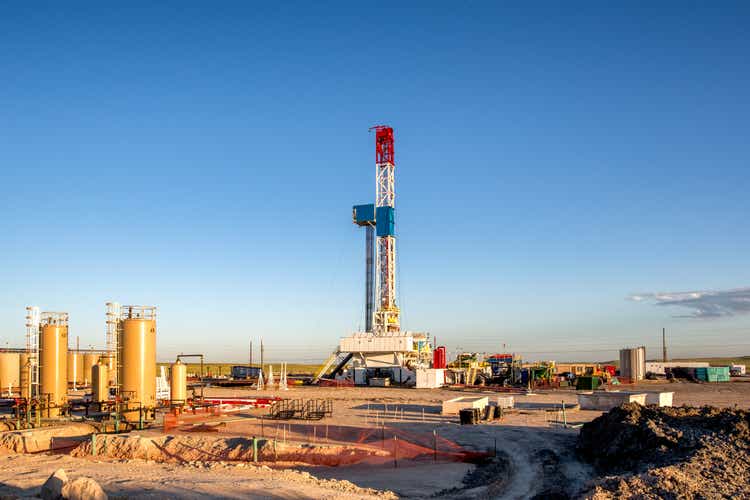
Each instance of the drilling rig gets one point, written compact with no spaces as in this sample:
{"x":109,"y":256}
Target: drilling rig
{"x":383,"y":347}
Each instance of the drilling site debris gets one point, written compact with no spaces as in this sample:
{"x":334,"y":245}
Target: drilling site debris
{"x":669,"y":452}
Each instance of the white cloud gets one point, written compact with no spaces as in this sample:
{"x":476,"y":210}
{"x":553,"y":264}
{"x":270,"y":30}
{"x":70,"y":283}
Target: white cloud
{"x":702,"y":303}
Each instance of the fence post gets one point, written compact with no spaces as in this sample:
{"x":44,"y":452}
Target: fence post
{"x":255,"y":449}
{"x":93,"y":444}
{"x":395,"y":451}
{"x":434,"y":445}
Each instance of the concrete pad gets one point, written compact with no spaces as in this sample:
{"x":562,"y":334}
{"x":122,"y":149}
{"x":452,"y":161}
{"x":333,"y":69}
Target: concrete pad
{"x":453,"y":406}
{"x":505,"y":401}
{"x":605,"y":401}
{"x":659,"y":398}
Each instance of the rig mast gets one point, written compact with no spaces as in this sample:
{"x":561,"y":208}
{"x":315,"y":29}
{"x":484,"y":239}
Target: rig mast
{"x":386,"y":317}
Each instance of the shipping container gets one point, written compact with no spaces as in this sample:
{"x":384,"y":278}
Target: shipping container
{"x":587,"y":383}
{"x":430,"y":378}
{"x":713,"y":374}
{"x":241,"y":371}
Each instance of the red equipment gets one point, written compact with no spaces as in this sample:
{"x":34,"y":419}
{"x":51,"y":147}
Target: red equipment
{"x":384,"y":145}
{"x":439,"y":359}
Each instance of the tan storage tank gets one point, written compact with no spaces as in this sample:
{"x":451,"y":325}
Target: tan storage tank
{"x":109,"y":360}
{"x":90,"y":359}
{"x":9,"y":372}
{"x":137,"y":360}
{"x":53,"y":361}
{"x":100,"y":382}
{"x":178,"y":383}
{"x":24,"y":375}
{"x":75,"y":368}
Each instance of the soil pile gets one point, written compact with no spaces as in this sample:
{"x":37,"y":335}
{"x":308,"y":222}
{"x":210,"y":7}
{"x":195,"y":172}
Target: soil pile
{"x":669,"y":452}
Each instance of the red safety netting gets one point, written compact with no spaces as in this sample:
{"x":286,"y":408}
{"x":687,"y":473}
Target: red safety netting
{"x":387,"y":443}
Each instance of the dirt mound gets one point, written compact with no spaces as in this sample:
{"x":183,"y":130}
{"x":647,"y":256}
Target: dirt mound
{"x":669,"y":452}
{"x":206,"y":449}
{"x":58,"y":437}
{"x":632,"y":435}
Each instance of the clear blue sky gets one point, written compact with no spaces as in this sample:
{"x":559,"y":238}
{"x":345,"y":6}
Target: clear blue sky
{"x":551,"y":162}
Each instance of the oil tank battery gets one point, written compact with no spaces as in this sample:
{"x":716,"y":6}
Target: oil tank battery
{"x":137,"y":362}
{"x":9,"y":372}
{"x":100,"y":382}
{"x":53,"y":361}
{"x":178,"y":383}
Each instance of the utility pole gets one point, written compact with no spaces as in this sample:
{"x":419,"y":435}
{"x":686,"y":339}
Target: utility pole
{"x":251,"y":358}
{"x":664,"y":344}
{"x":261,"y":354}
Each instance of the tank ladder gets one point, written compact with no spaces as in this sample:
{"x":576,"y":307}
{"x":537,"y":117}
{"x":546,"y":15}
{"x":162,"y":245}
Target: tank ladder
{"x":113,"y":340}
{"x":33,"y":320}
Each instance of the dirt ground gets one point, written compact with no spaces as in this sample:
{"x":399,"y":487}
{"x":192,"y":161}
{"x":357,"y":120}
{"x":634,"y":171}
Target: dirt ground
{"x":682,"y":452}
{"x":524,"y":453}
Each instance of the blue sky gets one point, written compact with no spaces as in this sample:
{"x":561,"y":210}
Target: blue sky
{"x":551,"y":162}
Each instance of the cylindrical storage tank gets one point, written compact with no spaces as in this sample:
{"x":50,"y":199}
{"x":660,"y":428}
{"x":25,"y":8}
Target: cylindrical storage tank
{"x":75,"y":368}
{"x":100,"y":382}
{"x":53,"y":366}
{"x":438,"y":357}
{"x":633,"y":363}
{"x":9,"y":372}
{"x":24,"y":375}
{"x":109,"y":359}
{"x":625,"y":363}
{"x":178,"y":383}
{"x":137,"y":370}
{"x":89,"y":362}
{"x":639,"y":364}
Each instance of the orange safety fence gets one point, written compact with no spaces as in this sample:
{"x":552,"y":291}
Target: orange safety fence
{"x":397,"y":443}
